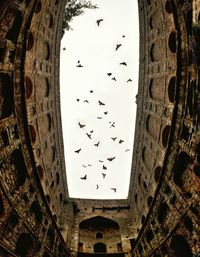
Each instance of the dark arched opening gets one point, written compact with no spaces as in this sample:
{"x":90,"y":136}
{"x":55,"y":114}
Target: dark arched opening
{"x":13,"y":32}
{"x":99,"y":235}
{"x":162,"y":212}
{"x":25,"y":246}
{"x":35,"y":209}
{"x":100,"y":248}
{"x":19,"y":163}
{"x":180,"y":246}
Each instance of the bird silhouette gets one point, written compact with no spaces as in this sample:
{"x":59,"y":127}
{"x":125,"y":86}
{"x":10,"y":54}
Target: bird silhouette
{"x":114,"y":79}
{"x":79,"y":66}
{"x":123,"y":63}
{"x":77,"y":100}
{"x":89,"y":165}
{"x":86,"y":101}
{"x":113,"y":138}
{"x":100,"y":161}
{"x":121,"y":141}
{"x":81,"y":125}
{"x":97,"y":186}
{"x":109,"y":74}
{"x":99,"y":118}
{"x":84,"y":178}
{"x":114,"y":189}
{"x":97,"y":144}
{"x":99,"y":21}
{"x":123,"y":35}
{"x":101,"y":103}
{"x":104,"y":174}
{"x":91,"y":131}
{"x":78,"y":151}
{"x":129,"y":80}
{"x":127,"y":150}
{"x":88,"y":135}
{"x":91,"y":91}
{"x":118,"y":46}
{"x":106,"y":113}
{"x":64,"y":48}
{"x":111,"y":159}
{"x":104,"y":167}
{"x":112,"y":124}
{"x":84,"y":166}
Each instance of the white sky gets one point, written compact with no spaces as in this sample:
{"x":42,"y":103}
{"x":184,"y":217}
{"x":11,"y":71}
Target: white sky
{"x":95,"y":48}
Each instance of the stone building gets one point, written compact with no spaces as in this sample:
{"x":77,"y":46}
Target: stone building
{"x":161,"y":216}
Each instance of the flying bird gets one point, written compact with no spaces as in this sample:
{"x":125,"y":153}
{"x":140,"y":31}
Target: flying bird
{"x":118,"y":46}
{"x":84,"y":166}
{"x":127,"y":150}
{"x":121,"y":141}
{"x":89,"y":165}
{"x":84,"y":178}
{"x":104,"y":167}
{"x":106,"y":113}
{"x":104,"y":174}
{"x":123,"y":35}
{"x":78,"y":151}
{"x":97,"y":144}
{"x":91,"y":91}
{"x":97,"y":186}
{"x":64,"y":48}
{"x":86,"y":101}
{"x":79,"y":66}
{"x":88,"y":135}
{"x":101,"y":103}
{"x":99,"y":21}
{"x":99,"y":118}
{"x":111,"y":159}
{"x":114,"y":189}
{"x":81,"y":125}
{"x":91,"y":131}
{"x":113,"y":138}
{"x":129,"y":80}
{"x":114,"y":79}
{"x":123,"y":63}
{"x":100,"y":161}
{"x":109,"y":74}
{"x":77,"y":100}
{"x":112,"y":124}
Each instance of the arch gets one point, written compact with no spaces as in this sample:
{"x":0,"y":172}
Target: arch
{"x":36,"y":210}
{"x":162,"y":212}
{"x":180,"y":246}
{"x":48,"y":121}
{"x":99,"y":235}
{"x":188,"y":223}
{"x":149,"y":200}
{"x":171,"y":89}
{"x":149,"y":235}
{"x":38,"y":7}
{"x":172,"y":41}
{"x":51,"y":235}
{"x":153,"y":126}
{"x":180,"y":167}
{"x":57,"y":178}
{"x":1,"y":206}
{"x":147,"y":158}
{"x":152,"y":53}
{"x":198,"y":152}
{"x":197,"y":171}
{"x":19,"y":163}
{"x":100,"y":248}
{"x":7,"y":95}
{"x":61,"y":197}
{"x":165,"y":135}
{"x":30,"y":42}
{"x":168,"y":6}
{"x":46,"y":51}
{"x":25,"y":246}
{"x":47,"y":87}
{"x":157,"y":173}
{"x":32,"y":133}
{"x":14,"y":30}
{"x":29,"y":87}
{"x":99,"y":222}
{"x":11,"y":223}
{"x":156,"y":88}
{"x":40,"y":172}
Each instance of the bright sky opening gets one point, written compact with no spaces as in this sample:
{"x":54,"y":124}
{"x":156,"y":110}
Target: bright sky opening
{"x":98,"y":84}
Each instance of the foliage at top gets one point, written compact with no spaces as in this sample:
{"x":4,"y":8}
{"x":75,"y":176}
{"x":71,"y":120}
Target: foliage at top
{"x":72,"y":9}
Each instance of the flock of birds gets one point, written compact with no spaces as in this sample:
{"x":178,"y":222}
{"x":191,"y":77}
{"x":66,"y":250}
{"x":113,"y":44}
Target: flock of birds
{"x":112,"y":124}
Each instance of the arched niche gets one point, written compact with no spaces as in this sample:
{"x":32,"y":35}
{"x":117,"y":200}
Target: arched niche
{"x":36,"y":210}
{"x":149,"y":235}
{"x":28,"y":86}
{"x":30,"y":41}
{"x":168,"y":6}
{"x":99,"y":235}
{"x":162,"y":212}
{"x":157,"y":173}
{"x":32,"y":133}
{"x":157,"y":88}
{"x":2,"y":209}
{"x":165,"y":135}
{"x":51,"y":235}
{"x":172,"y":41}
{"x":100,"y":248}
{"x":19,"y":163}
{"x":171,"y":88}
{"x":46,"y":51}
{"x":40,"y":172}
{"x":25,"y":246}
{"x":11,"y":223}
{"x":180,"y":246}
{"x":180,"y":167}
{"x":14,"y":30}
{"x":38,"y":7}
{"x":6,"y":96}
{"x":98,"y":222}
{"x":153,"y":126}
{"x":147,"y":158}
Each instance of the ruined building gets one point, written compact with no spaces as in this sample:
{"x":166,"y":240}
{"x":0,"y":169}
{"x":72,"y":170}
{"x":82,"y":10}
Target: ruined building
{"x":161,"y":216}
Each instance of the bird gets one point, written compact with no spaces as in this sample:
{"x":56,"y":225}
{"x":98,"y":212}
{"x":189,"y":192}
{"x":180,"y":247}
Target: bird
{"x":118,"y":46}
{"x":86,"y":101}
{"x":114,"y":189}
{"x":109,"y":74}
{"x":78,"y":151}
{"x":104,"y":167}
{"x":84,"y":166}
{"x":123,"y":35}
{"x":99,"y":21}
{"x":91,"y":131}
{"x":106,"y":113}
{"x":127,"y":150}
{"x":88,"y":135}
{"x":111,"y":159}
{"x":121,"y":141}
{"x":99,"y":118}
{"x":112,"y":124}
{"x":85,"y":177}
{"x":97,"y":144}
{"x":104,"y":174}
{"x":64,"y":48}
{"x":97,"y":186}
{"x":77,"y":100}
{"x":129,"y":80}
{"x":91,"y":91}
{"x":101,"y":103}
{"x":123,"y":63}
{"x":113,"y":138}
{"x":79,"y":66}
{"x":114,"y":79}
{"x":89,"y":165}
{"x":100,"y":161}
{"x":81,"y":125}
